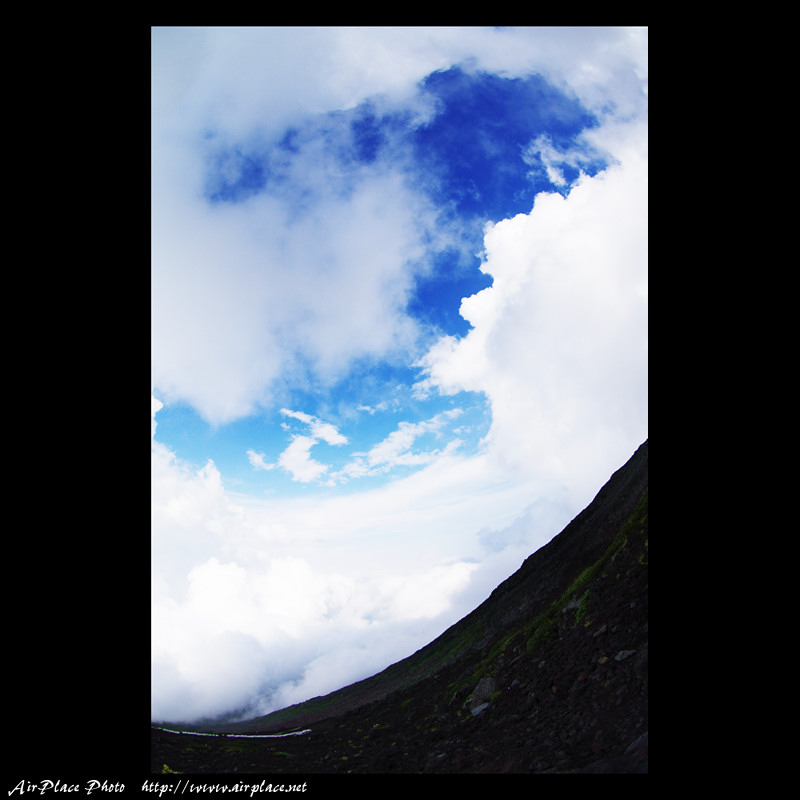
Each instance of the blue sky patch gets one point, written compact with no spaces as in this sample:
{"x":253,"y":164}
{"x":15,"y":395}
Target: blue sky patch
{"x":475,"y":144}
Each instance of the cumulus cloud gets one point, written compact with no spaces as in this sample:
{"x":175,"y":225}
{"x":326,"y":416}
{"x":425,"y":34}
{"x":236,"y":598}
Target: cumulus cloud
{"x":559,"y":341}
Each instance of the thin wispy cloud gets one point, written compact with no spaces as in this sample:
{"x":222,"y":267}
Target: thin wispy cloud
{"x":399,"y":334}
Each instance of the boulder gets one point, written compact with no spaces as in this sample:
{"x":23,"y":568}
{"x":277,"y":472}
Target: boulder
{"x":481,"y":693}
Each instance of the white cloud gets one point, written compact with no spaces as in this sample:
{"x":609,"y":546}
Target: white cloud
{"x":296,"y":460}
{"x":243,"y":298}
{"x":258,"y":461}
{"x":319,"y":429}
{"x":559,"y":341}
{"x":396,"y":449}
{"x":552,"y":159}
{"x":426,"y":594}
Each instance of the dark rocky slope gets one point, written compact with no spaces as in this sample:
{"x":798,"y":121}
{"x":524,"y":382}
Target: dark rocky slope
{"x":549,"y":674}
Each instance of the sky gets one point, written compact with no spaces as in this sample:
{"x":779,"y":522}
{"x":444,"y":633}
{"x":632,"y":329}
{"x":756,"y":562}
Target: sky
{"x":398,"y":335}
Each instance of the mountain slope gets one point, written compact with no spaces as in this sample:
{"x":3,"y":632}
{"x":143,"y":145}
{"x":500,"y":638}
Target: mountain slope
{"x":548,"y":674}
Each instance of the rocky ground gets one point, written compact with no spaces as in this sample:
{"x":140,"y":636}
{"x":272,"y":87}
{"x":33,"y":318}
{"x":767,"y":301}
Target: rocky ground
{"x":558,"y":682}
